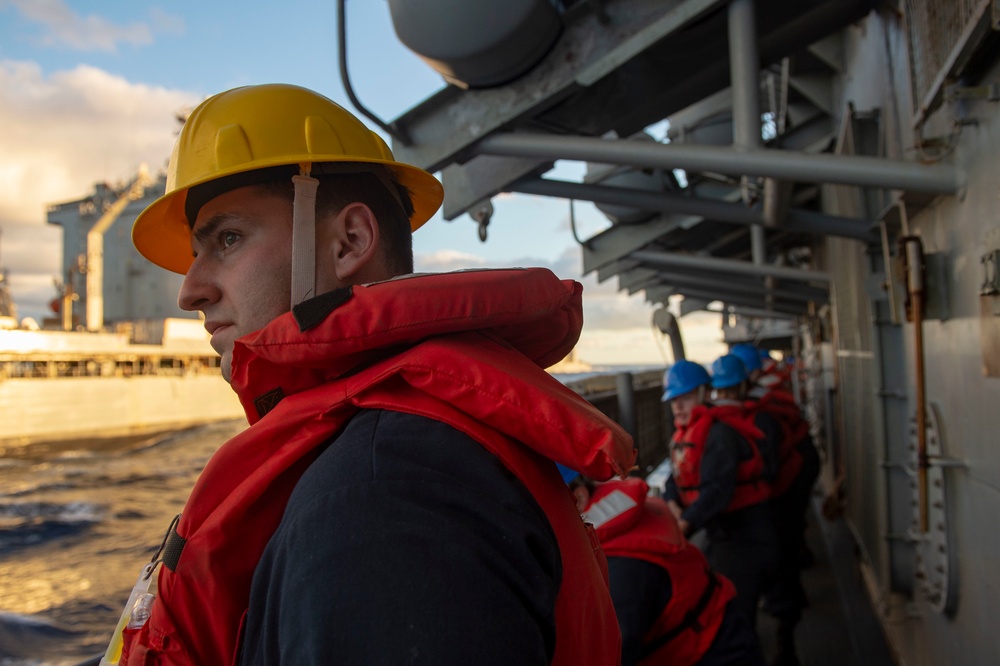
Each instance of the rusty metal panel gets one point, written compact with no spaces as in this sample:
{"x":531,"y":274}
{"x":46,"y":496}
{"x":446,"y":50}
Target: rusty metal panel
{"x":989,"y":326}
{"x":942,"y":35}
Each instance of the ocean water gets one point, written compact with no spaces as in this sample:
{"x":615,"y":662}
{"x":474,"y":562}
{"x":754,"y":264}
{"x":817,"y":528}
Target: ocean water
{"x":77,"y":522}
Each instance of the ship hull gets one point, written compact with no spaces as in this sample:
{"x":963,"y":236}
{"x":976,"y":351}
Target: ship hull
{"x":68,"y":408}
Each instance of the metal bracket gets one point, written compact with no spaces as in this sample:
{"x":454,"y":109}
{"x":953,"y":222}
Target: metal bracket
{"x":482,"y":213}
{"x":991,"y":273}
{"x":990,"y":92}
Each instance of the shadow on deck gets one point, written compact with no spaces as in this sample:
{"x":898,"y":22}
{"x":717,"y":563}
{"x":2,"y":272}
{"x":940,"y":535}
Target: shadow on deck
{"x":839,"y":628}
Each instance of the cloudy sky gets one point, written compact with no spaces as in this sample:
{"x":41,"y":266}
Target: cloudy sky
{"x":89,"y":91}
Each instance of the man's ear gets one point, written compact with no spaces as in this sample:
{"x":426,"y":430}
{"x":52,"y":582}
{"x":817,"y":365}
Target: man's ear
{"x":348,"y":246}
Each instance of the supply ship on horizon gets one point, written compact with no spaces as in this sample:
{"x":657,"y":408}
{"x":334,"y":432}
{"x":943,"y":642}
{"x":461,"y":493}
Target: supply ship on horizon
{"x":120,"y":358}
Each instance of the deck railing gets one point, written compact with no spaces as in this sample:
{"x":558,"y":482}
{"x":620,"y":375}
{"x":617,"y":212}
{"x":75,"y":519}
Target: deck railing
{"x":648,"y":420}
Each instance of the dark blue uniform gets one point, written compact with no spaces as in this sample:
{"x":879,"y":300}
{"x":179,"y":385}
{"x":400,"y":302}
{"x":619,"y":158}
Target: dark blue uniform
{"x":431,"y":568}
{"x":742,"y":544}
{"x":641,"y":590}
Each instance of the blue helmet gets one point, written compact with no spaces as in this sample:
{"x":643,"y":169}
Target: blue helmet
{"x":747,"y":353}
{"x":728,"y":371}
{"x":567,"y":474}
{"x":684,"y":377}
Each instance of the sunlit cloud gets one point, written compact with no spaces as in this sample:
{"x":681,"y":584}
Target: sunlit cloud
{"x":62,"y":27}
{"x":62,"y":134}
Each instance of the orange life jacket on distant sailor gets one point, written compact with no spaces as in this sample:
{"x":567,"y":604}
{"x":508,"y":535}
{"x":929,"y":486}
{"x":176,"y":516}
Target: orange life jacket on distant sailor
{"x":687,"y":451}
{"x":774,"y":377}
{"x":464,"y":348}
{"x":631,"y":524}
{"x":794,"y":429}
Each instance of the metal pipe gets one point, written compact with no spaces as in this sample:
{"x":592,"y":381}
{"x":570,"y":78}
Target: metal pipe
{"x":914,"y":253}
{"x":727,"y":266}
{"x":758,"y":245}
{"x":744,"y":79}
{"x":760,"y":312}
{"x":744,"y":74}
{"x":786,"y":164}
{"x":800,"y":221}
{"x":748,"y":300}
{"x":664,"y":202}
{"x":665,"y":320}
{"x":627,"y":416}
{"x":749,"y":287}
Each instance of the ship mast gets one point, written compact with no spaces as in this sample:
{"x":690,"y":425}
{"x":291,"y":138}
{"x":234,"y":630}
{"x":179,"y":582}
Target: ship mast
{"x":95,"y":249}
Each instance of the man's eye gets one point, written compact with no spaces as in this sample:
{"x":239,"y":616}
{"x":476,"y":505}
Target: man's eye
{"x":227,"y":238}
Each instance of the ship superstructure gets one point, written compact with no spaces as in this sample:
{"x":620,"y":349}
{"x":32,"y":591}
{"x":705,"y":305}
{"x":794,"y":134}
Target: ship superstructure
{"x":97,"y":239}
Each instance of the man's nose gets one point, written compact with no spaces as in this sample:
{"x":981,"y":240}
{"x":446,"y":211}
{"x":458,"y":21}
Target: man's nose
{"x":198,"y":290}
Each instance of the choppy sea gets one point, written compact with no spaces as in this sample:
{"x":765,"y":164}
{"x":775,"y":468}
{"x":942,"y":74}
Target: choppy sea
{"x":77,"y":522}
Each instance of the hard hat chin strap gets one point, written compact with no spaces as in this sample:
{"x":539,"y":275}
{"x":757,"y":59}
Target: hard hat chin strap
{"x":304,"y":236}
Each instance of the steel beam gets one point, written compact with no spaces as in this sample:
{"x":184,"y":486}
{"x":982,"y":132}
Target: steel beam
{"x":756,"y":312}
{"x":689,"y":305}
{"x":636,"y":279}
{"x":617,"y":242}
{"x":660,"y":295}
{"x":671,"y":260}
{"x":792,"y":292}
{"x":740,"y":299}
{"x":678,"y":204}
{"x":784,"y":164}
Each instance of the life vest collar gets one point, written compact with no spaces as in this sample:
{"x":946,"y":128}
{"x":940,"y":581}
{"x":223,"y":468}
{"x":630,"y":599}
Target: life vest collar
{"x":337,"y":333}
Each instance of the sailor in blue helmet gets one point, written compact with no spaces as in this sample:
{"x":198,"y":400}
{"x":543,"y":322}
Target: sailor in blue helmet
{"x":797,"y":466}
{"x":718,"y":485}
{"x":770,"y":443}
{"x":672,"y":608}
{"x":686,"y":387}
{"x":753,"y":361}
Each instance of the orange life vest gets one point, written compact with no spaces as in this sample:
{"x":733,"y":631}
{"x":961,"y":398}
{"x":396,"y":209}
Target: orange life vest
{"x":688,"y":449}
{"x":781,"y":405}
{"x":464,"y":348}
{"x":631,"y":524}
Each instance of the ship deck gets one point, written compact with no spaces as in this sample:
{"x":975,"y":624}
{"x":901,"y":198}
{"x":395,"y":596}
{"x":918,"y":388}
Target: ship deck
{"x":839,"y":628}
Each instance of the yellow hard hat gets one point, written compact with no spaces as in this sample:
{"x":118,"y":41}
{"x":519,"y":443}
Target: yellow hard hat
{"x":255,"y":127}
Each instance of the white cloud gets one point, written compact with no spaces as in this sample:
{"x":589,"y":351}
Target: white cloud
{"x":62,"y":27}
{"x":63,"y":133}
{"x":443,"y":261}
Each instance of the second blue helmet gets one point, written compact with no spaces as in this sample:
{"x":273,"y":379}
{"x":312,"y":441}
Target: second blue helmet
{"x":749,"y":355}
{"x":728,"y":371}
{"x":684,"y":377}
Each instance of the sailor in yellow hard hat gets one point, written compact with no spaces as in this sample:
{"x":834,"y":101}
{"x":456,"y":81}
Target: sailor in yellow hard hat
{"x":396,"y":484}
